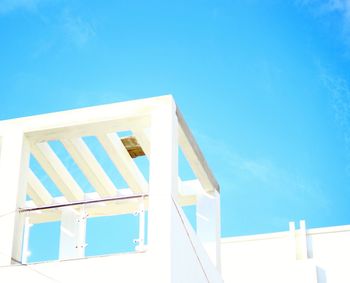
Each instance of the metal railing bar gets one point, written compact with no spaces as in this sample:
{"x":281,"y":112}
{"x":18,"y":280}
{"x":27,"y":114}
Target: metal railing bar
{"x":75,"y":203}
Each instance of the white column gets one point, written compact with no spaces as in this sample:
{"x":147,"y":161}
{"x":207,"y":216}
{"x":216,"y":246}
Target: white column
{"x":73,"y":232}
{"x":14,"y":162}
{"x":301,"y":241}
{"x":292,"y":241}
{"x":162,"y":188}
{"x":208,"y":225}
{"x":298,"y":241}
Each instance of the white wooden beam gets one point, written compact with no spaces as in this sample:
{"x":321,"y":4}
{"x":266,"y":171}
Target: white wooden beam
{"x":58,"y":173}
{"x":36,"y":190}
{"x":91,"y":168}
{"x":85,"y":121}
{"x":92,"y":129}
{"x":124,"y":163}
{"x":195,"y":156}
{"x":44,"y":217}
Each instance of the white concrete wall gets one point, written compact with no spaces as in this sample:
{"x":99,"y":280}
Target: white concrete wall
{"x":190,"y":260}
{"x":131,"y":267}
{"x":273,"y":257}
{"x":331,"y":252}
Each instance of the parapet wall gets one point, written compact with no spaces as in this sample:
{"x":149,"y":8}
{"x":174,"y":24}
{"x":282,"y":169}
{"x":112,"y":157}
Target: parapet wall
{"x":279,"y":257}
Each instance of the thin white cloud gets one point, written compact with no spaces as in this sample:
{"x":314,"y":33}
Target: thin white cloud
{"x":341,"y":8}
{"x":77,"y":30}
{"x":66,"y":26}
{"x":288,"y":185}
{"x":339,"y":90}
{"x":7,"y":6}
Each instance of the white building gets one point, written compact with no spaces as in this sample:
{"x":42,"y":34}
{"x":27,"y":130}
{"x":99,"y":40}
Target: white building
{"x":168,"y":248}
{"x":319,"y":255}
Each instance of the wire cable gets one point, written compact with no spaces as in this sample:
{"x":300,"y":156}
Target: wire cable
{"x":28,"y":266}
{"x":7,"y":213}
{"x":190,"y":239}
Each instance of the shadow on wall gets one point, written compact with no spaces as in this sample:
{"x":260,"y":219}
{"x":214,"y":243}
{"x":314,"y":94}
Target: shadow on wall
{"x":321,"y":275}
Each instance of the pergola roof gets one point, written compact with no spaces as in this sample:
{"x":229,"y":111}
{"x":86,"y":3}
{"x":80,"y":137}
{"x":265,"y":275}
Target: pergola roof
{"x":103,"y":122}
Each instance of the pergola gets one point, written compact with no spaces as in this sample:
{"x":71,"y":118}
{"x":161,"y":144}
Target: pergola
{"x":157,"y":131}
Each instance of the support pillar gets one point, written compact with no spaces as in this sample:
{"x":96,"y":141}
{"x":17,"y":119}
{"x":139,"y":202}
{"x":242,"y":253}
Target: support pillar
{"x":14,"y":162}
{"x":163,"y":185}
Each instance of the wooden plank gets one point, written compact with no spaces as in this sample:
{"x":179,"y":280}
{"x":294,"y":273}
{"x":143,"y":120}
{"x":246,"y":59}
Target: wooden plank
{"x":124,"y":163}
{"x":48,"y":216}
{"x":92,"y":129}
{"x":58,"y":173}
{"x":36,"y":190}
{"x":132,"y":146}
{"x":195,"y":156}
{"x":91,"y":168}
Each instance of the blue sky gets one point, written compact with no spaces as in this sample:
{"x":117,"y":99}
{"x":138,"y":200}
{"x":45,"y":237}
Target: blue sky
{"x":264,"y":85}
